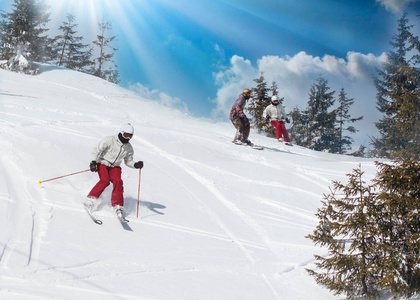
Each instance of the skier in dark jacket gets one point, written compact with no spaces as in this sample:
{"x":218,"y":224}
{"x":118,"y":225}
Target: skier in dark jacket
{"x":239,"y":119}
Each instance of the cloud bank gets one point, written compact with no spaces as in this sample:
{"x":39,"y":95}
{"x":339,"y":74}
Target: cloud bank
{"x":295,"y":75}
{"x":159,"y":97}
{"x":395,"y":6}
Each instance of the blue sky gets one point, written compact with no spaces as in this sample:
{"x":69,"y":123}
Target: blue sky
{"x":197,"y":55}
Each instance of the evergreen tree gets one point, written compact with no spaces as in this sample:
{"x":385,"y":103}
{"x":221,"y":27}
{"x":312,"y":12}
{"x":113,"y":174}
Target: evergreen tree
{"x":372,"y":233}
{"x":322,"y":134}
{"x":21,"y":35}
{"x":259,"y":101}
{"x":274,"y":91}
{"x":348,"y":228}
{"x":343,"y":117}
{"x":299,"y":129}
{"x":70,"y":51}
{"x":106,"y":54}
{"x":398,"y":98}
{"x":399,"y":185}
{"x":359,"y":152}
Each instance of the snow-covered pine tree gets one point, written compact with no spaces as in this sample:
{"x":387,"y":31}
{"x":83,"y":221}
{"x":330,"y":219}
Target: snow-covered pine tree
{"x":22,"y":43}
{"x":399,"y":196}
{"x":299,"y":129}
{"x":259,"y":101}
{"x":274,"y":91}
{"x":322,"y":134}
{"x":70,"y":50}
{"x":343,"y":118}
{"x":398,"y":98}
{"x":102,"y":66}
{"x":348,"y":228}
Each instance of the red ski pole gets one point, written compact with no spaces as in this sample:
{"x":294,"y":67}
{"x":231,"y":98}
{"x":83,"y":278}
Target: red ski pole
{"x":138,"y":195}
{"x":41,"y":181}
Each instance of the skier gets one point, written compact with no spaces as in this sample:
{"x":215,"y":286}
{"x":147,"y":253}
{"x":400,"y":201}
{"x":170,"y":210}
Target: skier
{"x":240,"y":120}
{"x":276,"y":112}
{"x":106,"y":159}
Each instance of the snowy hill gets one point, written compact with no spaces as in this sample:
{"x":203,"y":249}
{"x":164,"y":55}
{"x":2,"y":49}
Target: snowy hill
{"x":216,"y":220}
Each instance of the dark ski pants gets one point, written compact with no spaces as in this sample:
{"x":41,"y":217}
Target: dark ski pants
{"x":109,"y":175}
{"x":281,"y":130}
{"x":242,"y":129}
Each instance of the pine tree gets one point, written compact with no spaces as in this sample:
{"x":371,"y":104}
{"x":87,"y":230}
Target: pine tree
{"x":299,"y":129}
{"x":259,"y":101}
{"x":105,"y":58}
{"x":398,"y":98}
{"x":361,"y":152}
{"x":274,"y":91}
{"x":399,"y":185}
{"x":347,"y":227}
{"x":381,"y":225}
{"x":343,"y":117}
{"x":21,"y":35}
{"x":322,"y":134}
{"x":70,"y":51}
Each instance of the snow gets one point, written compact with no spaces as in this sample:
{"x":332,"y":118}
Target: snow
{"x":216,"y":220}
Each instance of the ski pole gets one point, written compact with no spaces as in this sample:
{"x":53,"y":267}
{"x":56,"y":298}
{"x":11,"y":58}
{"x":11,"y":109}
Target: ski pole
{"x":259,"y":122}
{"x":41,"y":181}
{"x":138,"y":195}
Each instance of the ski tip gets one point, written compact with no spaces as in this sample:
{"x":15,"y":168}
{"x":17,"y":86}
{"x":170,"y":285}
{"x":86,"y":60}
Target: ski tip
{"x":99,"y":222}
{"x":39,"y":182}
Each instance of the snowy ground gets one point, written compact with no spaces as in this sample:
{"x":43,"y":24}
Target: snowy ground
{"x":217,"y":220}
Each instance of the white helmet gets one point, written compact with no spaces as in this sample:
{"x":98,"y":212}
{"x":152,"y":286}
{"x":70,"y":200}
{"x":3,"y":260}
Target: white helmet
{"x":274,"y":98}
{"x":127,"y":128}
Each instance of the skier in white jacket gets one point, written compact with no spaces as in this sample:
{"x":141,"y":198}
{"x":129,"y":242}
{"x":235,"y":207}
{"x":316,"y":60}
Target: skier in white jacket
{"x":107,"y":157}
{"x":276,"y":113}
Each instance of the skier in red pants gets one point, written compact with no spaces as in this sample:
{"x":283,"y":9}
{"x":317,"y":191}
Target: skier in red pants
{"x":106,"y":159}
{"x":276,"y":112}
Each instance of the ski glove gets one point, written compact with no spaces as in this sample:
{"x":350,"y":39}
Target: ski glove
{"x":93,"y":166}
{"x":287,"y":120}
{"x":138,"y":165}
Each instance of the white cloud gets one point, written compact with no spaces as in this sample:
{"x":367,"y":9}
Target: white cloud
{"x":395,"y":6}
{"x":159,"y":97}
{"x":232,"y":81}
{"x":295,"y":75}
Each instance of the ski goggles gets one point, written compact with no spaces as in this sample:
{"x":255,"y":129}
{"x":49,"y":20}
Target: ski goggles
{"x":127,"y":135}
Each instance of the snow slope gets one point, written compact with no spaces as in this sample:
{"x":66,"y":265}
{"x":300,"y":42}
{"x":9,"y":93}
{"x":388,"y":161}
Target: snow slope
{"x":217,"y":220}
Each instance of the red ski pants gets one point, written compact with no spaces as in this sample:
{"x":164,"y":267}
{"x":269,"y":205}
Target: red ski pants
{"x":109,"y":175}
{"x":281,"y":130}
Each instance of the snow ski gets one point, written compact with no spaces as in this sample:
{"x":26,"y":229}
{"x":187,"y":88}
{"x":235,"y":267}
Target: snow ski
{"x":94,"y":219}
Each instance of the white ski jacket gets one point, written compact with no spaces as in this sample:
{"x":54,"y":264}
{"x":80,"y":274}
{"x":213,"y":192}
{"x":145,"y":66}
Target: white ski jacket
{"x":276,"y":112}
{"x":111,"y":151}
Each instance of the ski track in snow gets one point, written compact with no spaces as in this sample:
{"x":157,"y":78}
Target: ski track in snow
{"x":25,"y":236}
{"x":206,"y":184}
{"x":189,"y":230}
{"x":209,"y":185}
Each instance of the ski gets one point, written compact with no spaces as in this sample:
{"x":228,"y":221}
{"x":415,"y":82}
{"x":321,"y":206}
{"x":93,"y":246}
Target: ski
{"x":94,"y":219}
{"x":124,"y":222}
{"x":122,"y":219}
{"x":256,"y":147}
